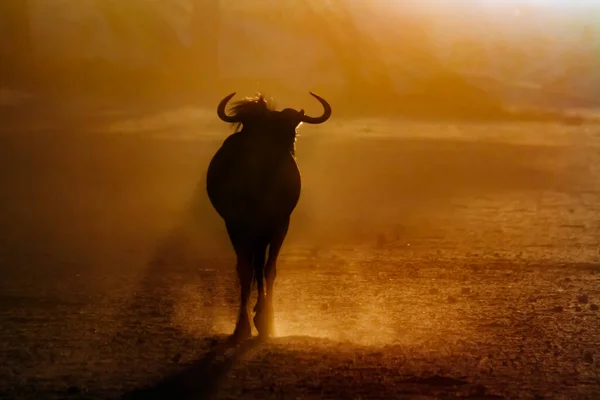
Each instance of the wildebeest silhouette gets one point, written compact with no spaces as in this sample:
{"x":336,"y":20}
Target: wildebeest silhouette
{"x":254,"y":184}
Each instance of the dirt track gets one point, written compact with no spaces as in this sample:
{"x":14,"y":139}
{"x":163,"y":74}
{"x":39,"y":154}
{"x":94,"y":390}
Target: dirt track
{"x":425,"y":261}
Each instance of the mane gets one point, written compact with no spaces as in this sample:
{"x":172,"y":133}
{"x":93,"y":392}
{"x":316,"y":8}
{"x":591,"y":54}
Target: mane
{"x":251,"y":107}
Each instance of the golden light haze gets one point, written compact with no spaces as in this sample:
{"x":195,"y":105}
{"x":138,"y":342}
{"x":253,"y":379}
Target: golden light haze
{"x":403,"y":57}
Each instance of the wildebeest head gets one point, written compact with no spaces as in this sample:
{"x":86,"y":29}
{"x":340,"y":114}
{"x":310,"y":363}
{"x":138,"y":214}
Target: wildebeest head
{"x":254,"y":113}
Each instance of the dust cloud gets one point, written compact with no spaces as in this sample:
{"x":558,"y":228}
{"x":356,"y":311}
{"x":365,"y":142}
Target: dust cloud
{"x":97,"y":209}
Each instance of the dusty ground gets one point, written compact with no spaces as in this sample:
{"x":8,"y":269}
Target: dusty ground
{"x":425,"y":261}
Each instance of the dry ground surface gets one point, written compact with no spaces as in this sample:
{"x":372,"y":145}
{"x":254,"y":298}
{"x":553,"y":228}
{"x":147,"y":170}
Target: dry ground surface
{"x":425,"y":261}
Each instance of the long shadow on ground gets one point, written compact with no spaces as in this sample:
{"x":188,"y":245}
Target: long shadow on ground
{"x":201,"y":379}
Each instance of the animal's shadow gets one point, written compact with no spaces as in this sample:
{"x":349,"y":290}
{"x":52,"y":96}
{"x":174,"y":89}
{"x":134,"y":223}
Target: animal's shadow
{"x":200,"y":379}
{"x":148,"y":325}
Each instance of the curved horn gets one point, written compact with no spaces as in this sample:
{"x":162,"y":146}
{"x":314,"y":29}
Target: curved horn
{"x":221,"y":110}
{"x":322,"y":118}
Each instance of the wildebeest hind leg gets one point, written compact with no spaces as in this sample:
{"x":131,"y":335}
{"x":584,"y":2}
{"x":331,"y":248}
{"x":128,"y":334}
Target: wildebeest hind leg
{"x":258,"y":261}
{"x":243,"y":330}
{"x":245,"y":272}
{"x":271,"y":274}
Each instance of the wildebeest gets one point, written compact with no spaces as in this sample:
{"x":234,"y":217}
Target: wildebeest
{"x":254,"y":184}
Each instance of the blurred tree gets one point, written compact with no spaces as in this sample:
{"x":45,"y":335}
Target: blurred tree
{"x":16,"y":52}
{"x":149,"y":52}
{"x":138,"y":23}
{"x":469,"y":54}
{"x":541,"y":46}
{"x":355,"y":52}
{"x":509,"y":59}
{"x":203,"y":55}
{"x":578,"y":83}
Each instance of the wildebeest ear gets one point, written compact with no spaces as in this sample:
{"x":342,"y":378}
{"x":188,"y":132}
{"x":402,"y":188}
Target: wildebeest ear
{"x":301,"y":112}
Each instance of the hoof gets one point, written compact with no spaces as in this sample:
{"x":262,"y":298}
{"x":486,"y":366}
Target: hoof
{"x":240,"y":334}
{"x":264,"y":324}
{"x":237,"y":338}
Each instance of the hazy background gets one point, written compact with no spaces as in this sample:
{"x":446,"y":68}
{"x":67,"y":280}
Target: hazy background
{"x":436,"y":58}
{"x":109,"y":122}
